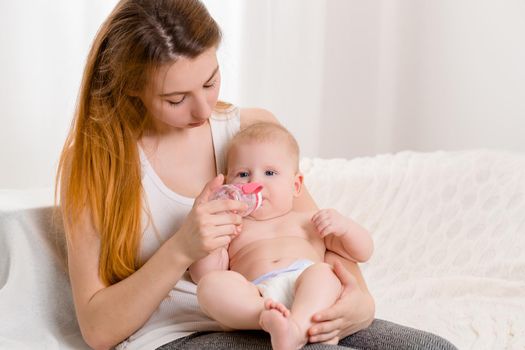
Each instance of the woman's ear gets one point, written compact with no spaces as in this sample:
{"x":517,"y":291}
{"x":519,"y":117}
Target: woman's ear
{"x":135,"y":89}
{"x":298,"y":184}
{"x":134,"y":93}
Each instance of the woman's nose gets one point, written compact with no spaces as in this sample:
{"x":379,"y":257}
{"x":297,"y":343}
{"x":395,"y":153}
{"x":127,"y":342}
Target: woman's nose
{"x":201,"y":109}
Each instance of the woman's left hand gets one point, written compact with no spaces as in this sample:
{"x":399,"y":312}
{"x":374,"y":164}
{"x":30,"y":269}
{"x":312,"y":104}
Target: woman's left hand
{"x":352,"y":312}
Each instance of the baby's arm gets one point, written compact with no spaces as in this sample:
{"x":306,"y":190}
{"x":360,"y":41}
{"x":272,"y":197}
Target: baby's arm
{"x":216,"y":260}
{"x":343,"y":236}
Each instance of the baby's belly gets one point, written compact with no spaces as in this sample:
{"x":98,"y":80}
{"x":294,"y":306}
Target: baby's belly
{"x":262,"y":256}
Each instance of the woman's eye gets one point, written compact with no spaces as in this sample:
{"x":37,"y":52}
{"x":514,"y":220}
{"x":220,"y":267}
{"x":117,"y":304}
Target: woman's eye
{"x":243,"y":174}
{"x":269,"y":173}
{"x":210,"y":85}
{"x":175,"y":103}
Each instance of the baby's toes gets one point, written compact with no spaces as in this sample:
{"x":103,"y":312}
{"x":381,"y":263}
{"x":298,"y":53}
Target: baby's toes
{"x":282,"y":309}
{"x":269,"y":304}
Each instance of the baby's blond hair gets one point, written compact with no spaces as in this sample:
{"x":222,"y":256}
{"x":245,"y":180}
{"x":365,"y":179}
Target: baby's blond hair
{"x":267,"y":132}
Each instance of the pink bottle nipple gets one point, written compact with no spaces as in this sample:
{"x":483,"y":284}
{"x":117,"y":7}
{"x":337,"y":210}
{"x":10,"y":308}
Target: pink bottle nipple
{"x":252,"y":187}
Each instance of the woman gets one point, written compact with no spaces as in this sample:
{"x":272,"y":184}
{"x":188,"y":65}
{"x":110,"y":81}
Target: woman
{"x":148,"y":136}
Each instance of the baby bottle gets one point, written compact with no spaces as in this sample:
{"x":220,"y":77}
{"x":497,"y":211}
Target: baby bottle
{"x":249,"y":193}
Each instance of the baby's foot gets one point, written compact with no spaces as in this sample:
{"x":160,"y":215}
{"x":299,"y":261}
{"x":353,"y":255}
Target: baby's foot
{"x":270,"y":304}
{"x":285,"y":333}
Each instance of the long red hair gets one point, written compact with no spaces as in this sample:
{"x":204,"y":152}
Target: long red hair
{"x":99,"y":169}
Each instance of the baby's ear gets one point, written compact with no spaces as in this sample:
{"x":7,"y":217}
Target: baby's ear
{"x":298,"y":184}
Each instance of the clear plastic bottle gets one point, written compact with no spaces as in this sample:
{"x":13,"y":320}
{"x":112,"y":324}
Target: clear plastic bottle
{"x":249,"y":193}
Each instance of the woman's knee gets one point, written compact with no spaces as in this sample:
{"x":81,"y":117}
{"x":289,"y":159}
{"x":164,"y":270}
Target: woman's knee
{"x":383,"y":334}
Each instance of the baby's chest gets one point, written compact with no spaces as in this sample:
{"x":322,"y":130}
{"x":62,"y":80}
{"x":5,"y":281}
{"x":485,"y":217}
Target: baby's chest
{"x":255,"y":231}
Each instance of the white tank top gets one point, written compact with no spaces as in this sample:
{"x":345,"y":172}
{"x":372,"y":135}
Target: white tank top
{"x":178,"y":315}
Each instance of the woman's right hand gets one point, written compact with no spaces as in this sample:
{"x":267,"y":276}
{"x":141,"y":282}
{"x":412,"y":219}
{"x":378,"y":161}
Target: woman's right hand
{"x":210,"y":224}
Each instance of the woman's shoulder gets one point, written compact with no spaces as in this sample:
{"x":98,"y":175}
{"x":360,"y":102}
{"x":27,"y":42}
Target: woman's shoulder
{"x":247,"y":116}
{"x":251,"y":116}
{"x":225,"y":111}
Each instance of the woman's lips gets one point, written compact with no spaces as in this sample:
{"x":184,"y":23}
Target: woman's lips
{"x":197,"y":124}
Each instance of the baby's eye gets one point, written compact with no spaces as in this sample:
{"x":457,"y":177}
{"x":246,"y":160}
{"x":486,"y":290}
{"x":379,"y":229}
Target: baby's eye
{"x":243,"y":174}
{"x":270,"y":173}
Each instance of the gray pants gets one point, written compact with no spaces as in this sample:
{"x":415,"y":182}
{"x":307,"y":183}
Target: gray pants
{"x":381,"y":335}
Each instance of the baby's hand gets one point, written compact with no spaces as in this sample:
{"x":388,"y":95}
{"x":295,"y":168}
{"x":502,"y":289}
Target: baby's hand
{"x":330,"y":221}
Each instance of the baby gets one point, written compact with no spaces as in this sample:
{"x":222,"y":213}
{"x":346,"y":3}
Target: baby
{"x":272,"y":275}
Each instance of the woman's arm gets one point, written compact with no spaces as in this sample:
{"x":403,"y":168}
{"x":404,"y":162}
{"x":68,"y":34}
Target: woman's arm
{"x":355,"y":308}
{"x":109,"y":314}
{"x":352,"y":312}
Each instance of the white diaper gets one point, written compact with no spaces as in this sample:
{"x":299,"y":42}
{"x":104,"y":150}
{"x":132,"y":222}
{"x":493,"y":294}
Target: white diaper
{"x":279,"y":285}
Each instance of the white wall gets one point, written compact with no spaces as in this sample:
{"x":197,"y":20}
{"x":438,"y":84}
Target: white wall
{"x":348,"y":77}
{"x":43,"y":49}
{"x":423,"y":75}
{"x":272,"y":57}
{"x":353,"y":78}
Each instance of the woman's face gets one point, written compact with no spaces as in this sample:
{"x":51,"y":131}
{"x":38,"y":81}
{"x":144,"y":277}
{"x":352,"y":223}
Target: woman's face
{"x":183,"y":94}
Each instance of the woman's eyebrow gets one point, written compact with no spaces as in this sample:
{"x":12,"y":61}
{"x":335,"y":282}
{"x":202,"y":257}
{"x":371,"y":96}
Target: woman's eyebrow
{"x":185,"y":92}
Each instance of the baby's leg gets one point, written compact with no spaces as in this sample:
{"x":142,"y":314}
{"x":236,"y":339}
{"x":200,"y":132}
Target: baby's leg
{"x":315,"y":289}
{"x":230,"y":299}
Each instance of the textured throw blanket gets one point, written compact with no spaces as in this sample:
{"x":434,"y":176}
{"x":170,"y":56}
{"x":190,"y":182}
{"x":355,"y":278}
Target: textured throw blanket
{"x":448,"y":227}
{"x":449,"y":233}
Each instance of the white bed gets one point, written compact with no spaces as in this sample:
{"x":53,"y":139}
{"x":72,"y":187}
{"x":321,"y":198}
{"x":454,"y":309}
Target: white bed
{"x":449,"y":232}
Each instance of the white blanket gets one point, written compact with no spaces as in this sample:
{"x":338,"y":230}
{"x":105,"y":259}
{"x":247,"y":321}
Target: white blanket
{"x":35,"y":298}
{"x":449,"y":232}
